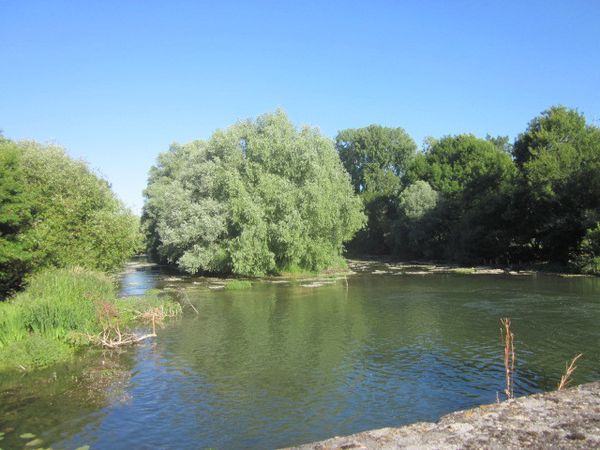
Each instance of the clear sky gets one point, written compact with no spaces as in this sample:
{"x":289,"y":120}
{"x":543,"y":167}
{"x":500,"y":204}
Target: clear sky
{"x":115,"y":82}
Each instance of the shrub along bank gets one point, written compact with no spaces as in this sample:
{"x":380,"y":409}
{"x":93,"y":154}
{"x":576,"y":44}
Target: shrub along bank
{"x":63,"y":310}
{"x":55,"y":212}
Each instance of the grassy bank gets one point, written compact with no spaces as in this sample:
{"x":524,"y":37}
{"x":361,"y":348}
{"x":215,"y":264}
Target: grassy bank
{"x":64,"y":310}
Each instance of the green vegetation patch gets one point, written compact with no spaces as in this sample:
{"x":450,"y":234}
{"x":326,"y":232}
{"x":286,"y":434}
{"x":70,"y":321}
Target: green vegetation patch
{"x":481,"y":201}
{"x":62,"y":310}
{"x":237,"y":285}
{"x":464,"y":270}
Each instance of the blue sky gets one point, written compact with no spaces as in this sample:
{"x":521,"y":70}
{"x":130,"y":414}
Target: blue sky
{"x":115,"y":82}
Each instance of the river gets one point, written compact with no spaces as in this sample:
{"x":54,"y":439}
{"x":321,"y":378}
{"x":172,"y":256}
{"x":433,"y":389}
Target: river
{"x":284,"y":363}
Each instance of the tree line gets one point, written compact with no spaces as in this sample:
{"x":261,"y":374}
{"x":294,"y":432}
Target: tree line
{"x":474,"y":200}
{"x":264,"y":197}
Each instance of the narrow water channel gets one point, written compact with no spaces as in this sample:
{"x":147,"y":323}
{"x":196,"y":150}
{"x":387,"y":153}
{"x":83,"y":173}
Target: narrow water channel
{"x":284,"y":363}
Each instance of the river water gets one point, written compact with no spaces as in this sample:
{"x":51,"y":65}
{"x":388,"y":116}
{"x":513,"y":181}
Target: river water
{"x":284,"y":363}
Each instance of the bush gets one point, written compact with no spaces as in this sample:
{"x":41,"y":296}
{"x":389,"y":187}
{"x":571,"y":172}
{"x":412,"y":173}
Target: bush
{"x":15,"y":216}
{"x":587,"y":257}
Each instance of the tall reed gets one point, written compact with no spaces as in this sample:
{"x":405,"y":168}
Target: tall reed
{"x":60,"y":301}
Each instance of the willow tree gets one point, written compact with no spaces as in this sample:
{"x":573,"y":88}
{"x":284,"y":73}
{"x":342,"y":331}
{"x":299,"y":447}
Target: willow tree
{"x":259,"y":197}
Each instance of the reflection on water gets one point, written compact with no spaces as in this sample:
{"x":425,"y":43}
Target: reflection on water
{"x":282,"y":364}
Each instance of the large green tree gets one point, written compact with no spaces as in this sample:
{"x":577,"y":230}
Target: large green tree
{"x":559,"y":194}
{"x":376,"y":158}
{"x":259,"y":197}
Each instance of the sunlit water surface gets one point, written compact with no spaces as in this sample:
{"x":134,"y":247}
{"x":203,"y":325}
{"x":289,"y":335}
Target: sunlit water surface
{"x":282,"y":364}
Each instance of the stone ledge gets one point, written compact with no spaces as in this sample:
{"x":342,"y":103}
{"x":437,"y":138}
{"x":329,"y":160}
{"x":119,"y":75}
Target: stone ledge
{"x":568,"y":419}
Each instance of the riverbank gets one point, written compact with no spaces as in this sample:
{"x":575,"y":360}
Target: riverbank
{"x":65,"y":310}
{"x":383,"y":265}
{"x":379,"y":265}
{"x":568,"y":419}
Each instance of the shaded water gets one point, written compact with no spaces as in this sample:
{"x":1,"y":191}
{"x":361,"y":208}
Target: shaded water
{"x":283,"y":364}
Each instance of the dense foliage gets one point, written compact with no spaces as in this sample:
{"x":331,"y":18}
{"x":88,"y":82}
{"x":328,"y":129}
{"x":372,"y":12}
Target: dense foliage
{"x":559,"y":193}
{"x":54,"y":212}
{"x":484,"y":200}
{"x":473,"y":178}
{"x":376,"y":158}
{"x":259,"y":197}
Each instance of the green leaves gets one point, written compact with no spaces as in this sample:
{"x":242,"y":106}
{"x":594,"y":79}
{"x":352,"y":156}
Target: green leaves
{"x":473,"y":179}
{"x":256,"y":198}
{"x":55,"y":212}
{"x":78,"y":218}
{"x":586,"y":258}
{"x":15,"y":218}
{"x":417,"y":200}
{"x":375,"y":156}
{"x":559,"y":157}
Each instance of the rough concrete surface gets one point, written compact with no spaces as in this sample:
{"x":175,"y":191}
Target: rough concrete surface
{"x":562,"y":419}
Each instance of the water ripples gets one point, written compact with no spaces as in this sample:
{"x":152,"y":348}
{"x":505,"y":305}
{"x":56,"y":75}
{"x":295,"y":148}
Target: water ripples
{"x":280,"y":365}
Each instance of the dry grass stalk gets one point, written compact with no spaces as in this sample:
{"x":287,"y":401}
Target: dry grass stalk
{"x":569,"y":369}
{"x":509,"y":356}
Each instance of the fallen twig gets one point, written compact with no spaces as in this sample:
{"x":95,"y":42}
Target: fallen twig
{"x":112,"y":337}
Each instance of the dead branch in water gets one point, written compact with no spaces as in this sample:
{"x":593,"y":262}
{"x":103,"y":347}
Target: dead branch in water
{"x":569,"y":369}
{"x":112,"y":337}
{"x":509,"y":356}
